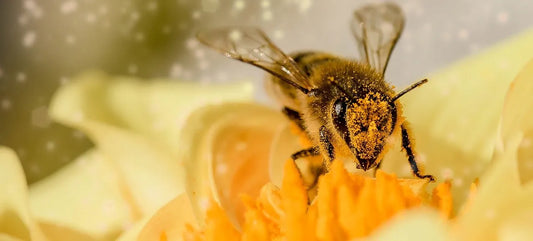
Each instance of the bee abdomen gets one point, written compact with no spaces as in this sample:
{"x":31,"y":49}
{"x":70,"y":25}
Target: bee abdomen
{"x":309,"y":60}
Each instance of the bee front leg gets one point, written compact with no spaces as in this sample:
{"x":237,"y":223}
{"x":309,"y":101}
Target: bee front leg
{"x":408,"y":147}
{"x":317,"y":171}
{"x":294,"y":116}
{"x":326,"y":144}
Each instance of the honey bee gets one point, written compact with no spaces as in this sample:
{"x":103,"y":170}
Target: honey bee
{"x":344,"y":106}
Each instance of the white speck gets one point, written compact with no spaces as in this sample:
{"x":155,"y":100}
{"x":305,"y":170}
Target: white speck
{"x":6,"y":104}
{"x":222,"y":168}
{"x":78,"y":134}
{"x":447,"y":173}
{"x":267,"y":15}
{"x":490,"y":214}
{"x":132,"y":68}
{"x":90,"y":18}
{"x":203,"y":64}
{"x":21,"y":77}
{"x":458,"y":182}
{"x":70,"y":39}
{"x":191,"y":43}
{"x":50,"y":146}
{"x":23,"y":19}
{"x":102,"y":10}
{"x":167,"y":29}
{"x":526,"y":142}
{"x":34,"y":9}
{"x":40,"y":118}
{"x":203,"y":203}
{"x":69,"y":7}
{"x":473,"y":47}
{"x":196,"y":14}
{"x":463,"y":34}
{"x":199,"y":53}
{"x":135,"y":16}
{"x":176,"y":70}
{"x":304,"y":5}
{"x":63,"y":80}
{"x":446,"y":36}
{"x":238,"y":5}
{"x":29,"y":39}
{"x":34,"y":168}
{"x":279,"y":34}
{"x":265,"y":3}
{"x":241,"y":146}
{"x":502,"y":17}
{"x":235,"y":35}
{"x":139,"y":37}
{"x":152,"y":6}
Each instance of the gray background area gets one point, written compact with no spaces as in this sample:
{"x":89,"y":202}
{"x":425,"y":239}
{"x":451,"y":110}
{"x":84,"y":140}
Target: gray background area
{"x":44,"y":43}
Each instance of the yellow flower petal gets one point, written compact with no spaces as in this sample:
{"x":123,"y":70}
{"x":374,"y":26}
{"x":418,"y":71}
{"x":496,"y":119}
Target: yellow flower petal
{"x":413,"y":225}
{"x":217,"y":154}
{"x":16,"y":222}
{"x":517,"y":123}
{"x":136,"y":127}
{"x":170,"y":221}
{"x":455,"y":117}
{"x":156,"y":109}
{"x":86,"y":196}
{"x":348,"y":206}
{"x":501,"y":200}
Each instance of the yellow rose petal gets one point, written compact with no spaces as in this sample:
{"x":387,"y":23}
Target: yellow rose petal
{"x":16,"y":222}
{"x":156,"y":109}
{"x":517,"y":123}
{"x":170,"y":221}
{"x":217,"y":139}
{"x":87,"y":196}
{"x":413,"y":225}
{"x":455,"y":116}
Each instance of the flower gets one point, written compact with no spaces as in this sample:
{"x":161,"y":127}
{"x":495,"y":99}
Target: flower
{"x":463,"y":132}
{"x":112,"y":189}
{"x":148,"y":153}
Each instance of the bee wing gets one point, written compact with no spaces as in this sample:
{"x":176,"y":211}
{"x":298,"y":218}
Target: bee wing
{"x":377,"y":28}
{"x":251,"y":45}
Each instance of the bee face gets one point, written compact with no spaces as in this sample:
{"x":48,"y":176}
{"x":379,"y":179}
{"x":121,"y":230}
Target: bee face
{"x":369,"y":123}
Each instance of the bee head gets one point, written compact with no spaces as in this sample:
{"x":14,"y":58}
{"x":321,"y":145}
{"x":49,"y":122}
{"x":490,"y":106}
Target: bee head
{"x":365,"y":124}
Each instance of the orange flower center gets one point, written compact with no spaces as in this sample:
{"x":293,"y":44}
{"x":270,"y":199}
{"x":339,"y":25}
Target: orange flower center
{"x":347,"y":206}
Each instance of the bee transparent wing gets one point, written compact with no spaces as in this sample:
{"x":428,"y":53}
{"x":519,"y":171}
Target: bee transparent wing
{"x":251,"y":45}
{"x":377,"y":28}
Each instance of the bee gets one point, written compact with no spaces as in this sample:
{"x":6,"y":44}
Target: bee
{"x":344,"y":106}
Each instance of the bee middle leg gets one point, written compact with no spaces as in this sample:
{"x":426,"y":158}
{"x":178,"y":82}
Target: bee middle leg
{"x":407,"y":146}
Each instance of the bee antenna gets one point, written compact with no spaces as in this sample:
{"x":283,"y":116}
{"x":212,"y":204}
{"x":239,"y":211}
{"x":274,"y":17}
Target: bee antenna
{"x":403,"y":92}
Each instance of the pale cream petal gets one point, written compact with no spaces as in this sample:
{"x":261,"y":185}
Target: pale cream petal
{"x":225,"y":152}
{"x":455,"y":117}
{"x":284,"y":145}
{"x":136,"y":126}
{"x":517,"y":120}
{"x":518,"y":228}
{"x":170,"y":221}
{"x":16,"y":222}
{"x":156,"y":108}
{"x":412,"y":225}
{"x":86,"y":197}
{"x":132,"y":234}
{"x":499,"y":204}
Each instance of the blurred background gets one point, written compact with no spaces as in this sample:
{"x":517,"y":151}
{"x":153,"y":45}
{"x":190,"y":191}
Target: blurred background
{"x":43,"y":44}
